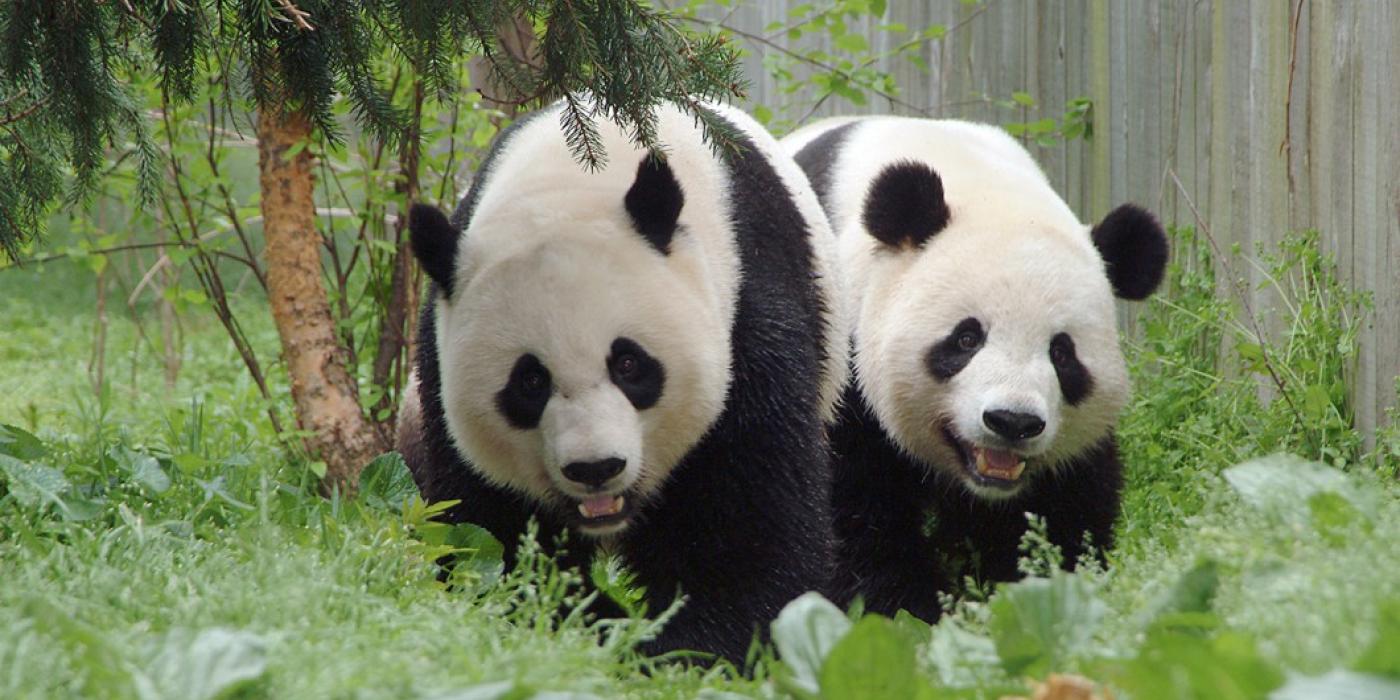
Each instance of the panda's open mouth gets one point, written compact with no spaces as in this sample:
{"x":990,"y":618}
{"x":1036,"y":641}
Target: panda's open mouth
{"x":987,"y":466}
{"x":603,"y":511}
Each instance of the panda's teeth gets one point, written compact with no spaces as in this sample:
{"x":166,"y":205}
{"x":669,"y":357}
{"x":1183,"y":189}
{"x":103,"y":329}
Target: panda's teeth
{"x":601,"y":506}
{"x":1004,"y":473}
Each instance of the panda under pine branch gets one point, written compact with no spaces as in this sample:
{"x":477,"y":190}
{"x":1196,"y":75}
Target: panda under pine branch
{"x":988,"y":376}
{"x":642,"y":357}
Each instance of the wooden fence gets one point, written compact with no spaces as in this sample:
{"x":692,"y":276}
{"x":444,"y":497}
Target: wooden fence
{"x":1273,"y":115}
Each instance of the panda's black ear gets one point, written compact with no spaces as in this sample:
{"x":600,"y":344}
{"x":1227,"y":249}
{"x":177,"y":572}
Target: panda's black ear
{"x":654,"y":202}
{"x":434,"y":241}
{"x":1134,"y":247}
{"x":905,"y":205}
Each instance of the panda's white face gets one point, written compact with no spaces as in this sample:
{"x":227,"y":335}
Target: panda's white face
{"x":580,"y":370}
{"x":985,"y":334}
{"x":993,"y":371}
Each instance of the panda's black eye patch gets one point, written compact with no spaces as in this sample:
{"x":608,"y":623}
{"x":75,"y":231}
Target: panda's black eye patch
{"x":950,"y":355}
{"x":1075,"y":381}
{"x":639,"y":375}
{"x":525,"y":394}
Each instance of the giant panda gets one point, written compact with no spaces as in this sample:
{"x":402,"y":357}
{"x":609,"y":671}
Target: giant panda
{"x":642,"y":358}
{"x":987,"y":370}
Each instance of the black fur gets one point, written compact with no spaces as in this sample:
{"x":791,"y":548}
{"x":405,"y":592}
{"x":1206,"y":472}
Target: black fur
{"x":949,"y":356}
{"x":887,"y":501}
{"x":434,"y":241}
{"x":523,"y":398}
{"x":1135,"y":249}
{"x":904,"y":206}
{"x":1076,"y":383}
{"x":818,"y":159}
{"x":742,"y":525}
{"x":654,"y":202}
{"x":644,"y":384}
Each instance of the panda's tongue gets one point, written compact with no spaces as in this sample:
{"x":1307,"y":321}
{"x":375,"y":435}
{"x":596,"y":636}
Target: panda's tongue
{"x":600,"y":506}
{"x":999,"y":464}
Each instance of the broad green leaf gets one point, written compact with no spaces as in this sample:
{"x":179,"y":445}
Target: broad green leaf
{"x":915,"y":630}
{"x":33,"y":484}
{"x":804,"y":633}
{"x":1383,"y":658}
{"x":1332,"y":516}
{"x":1281,"y":485}
{"x":1194,"y":592}
{"x":1338,"y":685}
{"x":207,"y":665}
{"x":619,"y":584}
{"x":20,"y":444}
{"x":484,"y":556}
{"x":1023,"y":98}
{"x":875,"y":661}
{"x":959,"y":656}
{"x":1172,"y":665}
{"x":387,"y":483}
{"x":851,"y":42}
{"x":144,"y":470}
{"x":1038,"y":623}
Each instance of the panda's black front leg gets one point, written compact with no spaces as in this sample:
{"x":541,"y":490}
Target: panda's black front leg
{"x":739,"y":538}
{"x":884,"y":557}
{"x":1083,"y":498}
{"x":883,"y":554}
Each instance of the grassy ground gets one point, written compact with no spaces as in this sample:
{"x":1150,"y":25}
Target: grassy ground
{"x":157,"y":543}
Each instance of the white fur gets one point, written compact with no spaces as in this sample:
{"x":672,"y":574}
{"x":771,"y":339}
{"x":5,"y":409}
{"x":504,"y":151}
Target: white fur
{"x":1013,"y":256}
{"x":551,"y":265}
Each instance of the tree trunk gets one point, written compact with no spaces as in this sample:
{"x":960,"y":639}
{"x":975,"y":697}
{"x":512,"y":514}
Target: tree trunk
{"x":325,"y":392}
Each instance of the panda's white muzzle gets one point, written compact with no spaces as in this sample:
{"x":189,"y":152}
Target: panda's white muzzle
{"x":593,"y":451}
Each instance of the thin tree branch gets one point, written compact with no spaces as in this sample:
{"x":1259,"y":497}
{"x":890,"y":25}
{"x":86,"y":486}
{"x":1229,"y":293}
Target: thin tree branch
{"x":759,"y":39}
{"x":294,"y":15}
{"x":1243,"y":294}
{"x":17,"y":117}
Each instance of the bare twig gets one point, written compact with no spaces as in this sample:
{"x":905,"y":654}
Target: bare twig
{"x":11,"y":118}
{"x":294,"y":15}
{"x":212,"y":283}
{"x":1285,"y":148}
{"x":1243,"y":293}
{"x":796,"y":55}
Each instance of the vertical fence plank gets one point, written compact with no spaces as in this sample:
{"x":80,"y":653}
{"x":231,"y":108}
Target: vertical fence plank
{"x":1200,"y":87}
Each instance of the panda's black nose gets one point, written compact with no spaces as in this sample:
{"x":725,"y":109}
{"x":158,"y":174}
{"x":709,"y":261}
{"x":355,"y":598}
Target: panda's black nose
{"x":594,"y":474}
{"x":1012,"y":425}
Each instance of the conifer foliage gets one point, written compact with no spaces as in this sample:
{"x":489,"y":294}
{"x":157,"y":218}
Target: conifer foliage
{"x":66,"y":113}
{"x":62,"y":102}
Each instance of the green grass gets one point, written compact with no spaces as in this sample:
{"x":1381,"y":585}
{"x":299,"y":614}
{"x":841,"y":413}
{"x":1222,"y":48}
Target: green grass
{"x":159,"y":543}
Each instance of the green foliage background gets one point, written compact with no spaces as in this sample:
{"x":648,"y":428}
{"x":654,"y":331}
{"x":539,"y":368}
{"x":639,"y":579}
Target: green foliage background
{"x":158,"y":540}
{"x":168,"y":547}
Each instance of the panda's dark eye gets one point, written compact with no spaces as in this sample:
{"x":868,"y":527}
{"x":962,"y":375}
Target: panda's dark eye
{"x":1061,"y":350}
{"x":950,"y":355}
{"x":534,"y":383}
{"x":969,"y":340}
{"x":627,"y":367}
{"x":1076,"y":383}
{"x":639,"y":375}
{"x":526,"y":392}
